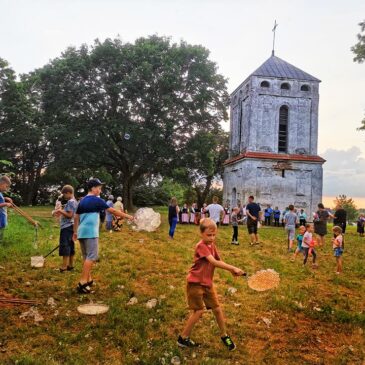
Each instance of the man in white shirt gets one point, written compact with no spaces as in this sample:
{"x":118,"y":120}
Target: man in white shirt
{"x":215,"y":211}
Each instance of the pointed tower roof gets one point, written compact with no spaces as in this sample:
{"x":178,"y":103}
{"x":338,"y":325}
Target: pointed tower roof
{"x":278,"y":68}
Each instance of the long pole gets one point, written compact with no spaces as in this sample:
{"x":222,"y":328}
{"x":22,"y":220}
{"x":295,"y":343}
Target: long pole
{"x":26,"y":216}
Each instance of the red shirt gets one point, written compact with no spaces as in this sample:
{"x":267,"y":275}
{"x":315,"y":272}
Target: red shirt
{"x":202,"y":270}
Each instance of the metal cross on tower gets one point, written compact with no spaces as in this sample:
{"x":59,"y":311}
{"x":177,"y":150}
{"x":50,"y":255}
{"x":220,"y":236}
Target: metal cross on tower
{"x":273,"y":41}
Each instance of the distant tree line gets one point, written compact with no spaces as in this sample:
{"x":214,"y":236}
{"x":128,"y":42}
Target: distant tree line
{"x":145,"y":117}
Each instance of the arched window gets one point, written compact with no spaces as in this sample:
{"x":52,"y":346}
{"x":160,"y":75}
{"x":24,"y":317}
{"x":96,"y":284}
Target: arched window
{"x":285,"y":86}
{"x":283,"y":129}
{"x":265,"y":84}
{"x":305,"y":88}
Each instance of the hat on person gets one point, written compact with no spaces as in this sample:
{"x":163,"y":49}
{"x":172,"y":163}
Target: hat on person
{"x":119,"y":198}
{"x":111,"y":197}
{"x":92,"y":183}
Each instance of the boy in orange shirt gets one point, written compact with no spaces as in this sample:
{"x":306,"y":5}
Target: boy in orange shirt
{"x":200,"y":289}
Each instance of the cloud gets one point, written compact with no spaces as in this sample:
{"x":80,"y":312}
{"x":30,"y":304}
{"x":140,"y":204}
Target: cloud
{"x":344,"y":172}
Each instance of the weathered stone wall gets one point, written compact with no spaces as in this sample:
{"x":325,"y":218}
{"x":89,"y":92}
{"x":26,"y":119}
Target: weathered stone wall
{"x":300,"y":183}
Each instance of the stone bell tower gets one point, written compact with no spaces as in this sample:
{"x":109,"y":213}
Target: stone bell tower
{"x":274,"y":137}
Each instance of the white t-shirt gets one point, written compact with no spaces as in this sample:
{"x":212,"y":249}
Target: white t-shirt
{"x":214,"y":212}
{"x":307,"y":239}
{"x":339,"y":239}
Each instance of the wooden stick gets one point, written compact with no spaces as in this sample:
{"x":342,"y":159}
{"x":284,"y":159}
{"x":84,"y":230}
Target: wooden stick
{"x":17,"y":301}
{"x":26,"y":216}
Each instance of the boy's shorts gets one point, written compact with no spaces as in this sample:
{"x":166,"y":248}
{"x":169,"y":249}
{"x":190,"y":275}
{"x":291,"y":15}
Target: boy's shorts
{"x":67,"y":245}
{"x":291,"y":232}
{"x":199,"y":296}
{"x":337,"y":252}
{"x":252,"y":226}
{"x":89,"y":248}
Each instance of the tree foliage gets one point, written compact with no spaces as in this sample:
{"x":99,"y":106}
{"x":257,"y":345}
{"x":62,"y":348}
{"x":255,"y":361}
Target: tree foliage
{"x":359,"y":48}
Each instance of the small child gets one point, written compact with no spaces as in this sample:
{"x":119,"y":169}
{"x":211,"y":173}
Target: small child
{"x":109,"y":216}
{"x":299,"y":242}
{"x":337,"y":242}
{"x":117,"y":221}
{"x":200,"y":289}
{"x":235,"y":220}
{"x":290,"y":220}
{"x":5,"y":203}
{"x":66,"y":215}
{"x":307,"y":244}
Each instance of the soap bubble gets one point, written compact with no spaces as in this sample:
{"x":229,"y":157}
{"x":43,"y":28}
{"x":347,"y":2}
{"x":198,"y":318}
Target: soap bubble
{"x":127,"y":136}
{"x":146,"y":219}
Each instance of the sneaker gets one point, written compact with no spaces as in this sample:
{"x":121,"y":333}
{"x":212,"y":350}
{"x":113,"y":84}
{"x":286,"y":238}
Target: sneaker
{"x":186,"y":342}
{"x":229,"y":343}
{"x":236,"y":243}
{"x":233,"y":243}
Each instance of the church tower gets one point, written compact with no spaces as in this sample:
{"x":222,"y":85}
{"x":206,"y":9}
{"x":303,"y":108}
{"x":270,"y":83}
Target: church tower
{"x":274,"y":137}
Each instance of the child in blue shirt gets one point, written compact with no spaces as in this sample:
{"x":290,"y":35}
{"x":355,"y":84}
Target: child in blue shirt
{"x":299,"y":242}
{"x":86,"y":230}
{"x":4,"y":204}
{"x":109,"y":216}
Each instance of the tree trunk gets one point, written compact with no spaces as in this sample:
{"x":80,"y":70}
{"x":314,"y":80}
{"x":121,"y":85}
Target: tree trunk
{"x":127,"y":195}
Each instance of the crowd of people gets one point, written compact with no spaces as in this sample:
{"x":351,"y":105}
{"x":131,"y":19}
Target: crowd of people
{"x":80,"y":220}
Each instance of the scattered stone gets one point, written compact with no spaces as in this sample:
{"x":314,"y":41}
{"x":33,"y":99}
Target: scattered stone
{"x":231,"y":290}
{"x":299,"y":305}
{"x":121,"y":287}
{"x":87,"y":335}
{"x":141,"y":240}
{"x":28,"y":283}
{"x":351,"y":348}
{"x":237,"y":304}
{"x":171,"y":287}
{"x":90,"y":348}
{"x":267,"y":321}
{"x":151,"y":303}
{"x":176,"y":360}
{"x":193,"y":355}
{"x":132,"y":301}
{"x":32,"y":313}
{"x":51,"y":302}
{"x":317,"y":309}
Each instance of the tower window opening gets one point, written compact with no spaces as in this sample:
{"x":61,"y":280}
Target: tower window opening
{"x":285,"y":86}
{"x":283,"y":129}
{"x":265,"y":84}
{"x":282,"y":173}
{"x":304,"y":88}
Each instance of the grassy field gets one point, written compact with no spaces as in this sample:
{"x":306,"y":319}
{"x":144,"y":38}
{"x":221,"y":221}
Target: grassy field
{"x":314,"y":317}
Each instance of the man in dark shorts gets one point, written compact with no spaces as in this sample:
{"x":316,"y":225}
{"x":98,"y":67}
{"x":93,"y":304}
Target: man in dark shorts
{"x":253,"y":212}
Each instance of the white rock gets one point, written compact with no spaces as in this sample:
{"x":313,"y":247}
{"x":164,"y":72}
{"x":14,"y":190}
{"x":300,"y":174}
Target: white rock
{"x":267,"y":321}
{"x":171,"y":287}
{"x":232,"y":290}
{"x":151,"y":303}
{"x":237,"y":304}
{"x":176,"y":360}
{"x":28,"y":283}
{"x":32,"y":313}
{"x":317,"y":309}
{"x":51,"y":302}
{"x":132,"y":301}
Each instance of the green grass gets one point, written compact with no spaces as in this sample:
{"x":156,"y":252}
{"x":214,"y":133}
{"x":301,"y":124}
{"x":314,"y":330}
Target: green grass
{"x":298,"y":334}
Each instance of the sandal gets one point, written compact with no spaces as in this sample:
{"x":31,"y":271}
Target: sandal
{"x":63,"y":270}
{"x":83,"y":288}
{"x":70,"y":268}
{"x":90,"y":283}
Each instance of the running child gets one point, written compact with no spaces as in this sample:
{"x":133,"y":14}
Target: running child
{"x":337,"y":243}
{"x":299,"y":242}
{"x":200,"y":289}
{"x":308,"y":243}
{"x":235,"y":220}
{"x":290,"y":220}
{"x":4,"y":204}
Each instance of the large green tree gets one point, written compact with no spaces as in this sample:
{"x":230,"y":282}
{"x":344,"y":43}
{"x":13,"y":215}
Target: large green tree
{"x":131,"y":108}
{"x":22,"y":132}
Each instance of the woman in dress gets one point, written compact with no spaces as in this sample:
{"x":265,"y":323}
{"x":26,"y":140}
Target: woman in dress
{"x":320,"y":223}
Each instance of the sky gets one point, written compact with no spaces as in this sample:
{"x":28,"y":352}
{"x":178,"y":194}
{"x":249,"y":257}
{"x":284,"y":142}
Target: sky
{"x":315,"y":36}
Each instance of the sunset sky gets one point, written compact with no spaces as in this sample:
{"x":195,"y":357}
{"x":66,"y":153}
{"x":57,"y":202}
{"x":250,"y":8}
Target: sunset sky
{"x":315,"y":36}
